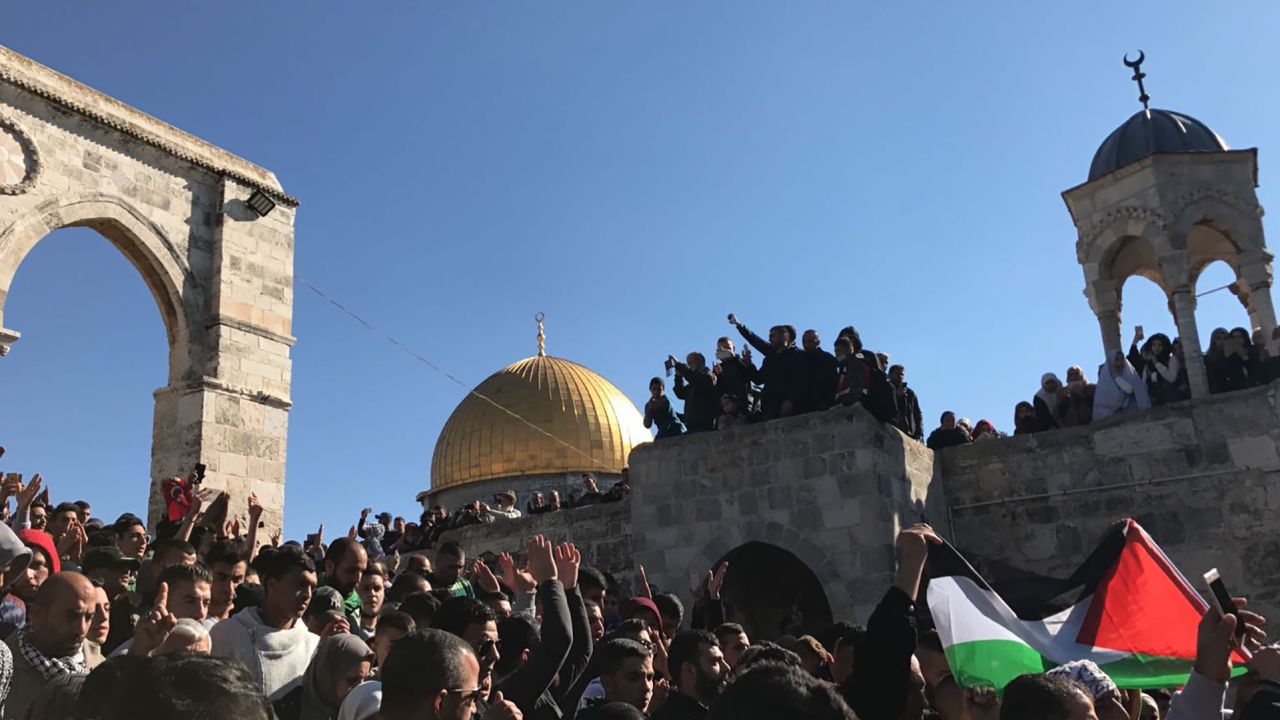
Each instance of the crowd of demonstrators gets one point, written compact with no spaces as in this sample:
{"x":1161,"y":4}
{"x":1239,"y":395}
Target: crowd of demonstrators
{"x":103,"y":621}
{"x":1153,"y":373}
{"x":789,"y":381}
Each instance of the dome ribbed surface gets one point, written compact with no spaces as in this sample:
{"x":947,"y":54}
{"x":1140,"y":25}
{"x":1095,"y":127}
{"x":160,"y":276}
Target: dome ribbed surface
{"x":482,"y":442}
{"x":1150,"y":132}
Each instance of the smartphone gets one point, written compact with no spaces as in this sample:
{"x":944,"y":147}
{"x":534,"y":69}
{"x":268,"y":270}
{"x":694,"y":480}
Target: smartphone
{"x":1138,"y":329}
{"x":1222,"y":600}
{"x":200,"y":468}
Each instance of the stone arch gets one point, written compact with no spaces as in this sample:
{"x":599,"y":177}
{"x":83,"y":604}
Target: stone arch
{"x":144,"y":244}
{"x":219,"y":266}
{"x":1122,"y":239}
{"x":772,"y":592}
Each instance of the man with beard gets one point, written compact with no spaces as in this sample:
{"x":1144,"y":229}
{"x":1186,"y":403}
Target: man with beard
{"x":779,"y":373}
{"x":698,"y":672}
{"x":269,"y":640}
{"x":53,"y":644}
{"x":434,"y":675}
{"x":907,"y":418}
{"x":817,"y":387}
{"x":344,"y":565}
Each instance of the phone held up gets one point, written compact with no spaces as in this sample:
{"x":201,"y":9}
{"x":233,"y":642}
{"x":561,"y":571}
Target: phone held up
{"x":1222,"y":600}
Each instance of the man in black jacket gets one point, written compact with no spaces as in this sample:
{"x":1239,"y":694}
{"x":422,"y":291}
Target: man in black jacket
{"x":696,"y":385}
{"x":698,"y":674}
{"x":817,"y":387}
{"x":878,"y":687}
{"x":780,"y":371}
{"x":734,"y":373}
{"x":561,"y":647}
{"x":908,"y":419}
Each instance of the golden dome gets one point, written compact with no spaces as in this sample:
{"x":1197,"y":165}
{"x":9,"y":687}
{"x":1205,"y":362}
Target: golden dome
{"x":584,"y":423}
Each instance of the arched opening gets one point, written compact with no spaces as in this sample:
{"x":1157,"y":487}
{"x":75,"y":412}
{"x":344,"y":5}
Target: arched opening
{"x":1218,"y":303}
{"x":78,"y":385}
{"x":772,"y":593}
{"x":1145,"y":304}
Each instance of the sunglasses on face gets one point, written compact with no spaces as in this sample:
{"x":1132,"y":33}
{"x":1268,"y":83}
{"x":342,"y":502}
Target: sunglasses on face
{"x":468,"y":695}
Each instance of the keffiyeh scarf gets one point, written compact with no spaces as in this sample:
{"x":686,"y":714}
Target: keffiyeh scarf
{"x":50,"y":668}
{"x":1087,"y":674}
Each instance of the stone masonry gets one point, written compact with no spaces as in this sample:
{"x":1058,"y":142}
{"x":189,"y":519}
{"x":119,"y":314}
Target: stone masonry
{"x":1202,"y":477}
{"x":222,"y":277}
{"x":834,"y":488}
{"x":831,"y":488}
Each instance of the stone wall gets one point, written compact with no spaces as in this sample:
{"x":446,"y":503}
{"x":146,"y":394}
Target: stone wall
{"x":222,"y":276}
{"x":524,"y":487}
{"x":1202,"y":477}
{"x":601,"y":532}
{"x":831,"y":488}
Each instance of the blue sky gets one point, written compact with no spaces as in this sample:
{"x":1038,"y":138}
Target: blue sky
{"x":636,"y":171}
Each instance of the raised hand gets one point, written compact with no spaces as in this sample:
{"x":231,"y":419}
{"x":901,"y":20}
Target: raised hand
{"x":500,"y":709}
{"x":352,"y":532}
{"x":365,"y":512}
{"x":336,"y":626}
{"x":913,"y":550}
{"x":541,"y":565}
{"x":643,"y":590}
{"x":517,"y":580}
{"x":484,"y":578}
{"x":715,"y":580}
{"x":255,"y":508}
{"x":72,"y":544}
{"x":568,"y":560}
{"x":155,"y":626}
{"x":275,"y":538}
{"x":27,"y":495}
{"x":1216,"y":640}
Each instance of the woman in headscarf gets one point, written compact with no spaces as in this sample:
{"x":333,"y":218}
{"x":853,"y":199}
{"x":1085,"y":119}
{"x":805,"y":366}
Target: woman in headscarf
{"x":1159,"y":370}
{"x":1119,"y":388}
{"x":1047,"y":401}
{"x":1077,"y":406}
{"x":984,"y":430}
{"x":341,"y":662}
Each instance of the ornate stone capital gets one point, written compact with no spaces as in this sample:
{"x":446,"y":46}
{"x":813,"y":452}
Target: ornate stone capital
{"x":7,"y":338}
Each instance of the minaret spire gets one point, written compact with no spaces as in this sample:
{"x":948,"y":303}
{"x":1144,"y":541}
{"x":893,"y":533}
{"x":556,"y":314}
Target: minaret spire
{"x":542,"y":338}
{"x":1138,"y":76}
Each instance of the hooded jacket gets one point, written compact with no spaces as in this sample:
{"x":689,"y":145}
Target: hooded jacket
{"x":276,"y":658}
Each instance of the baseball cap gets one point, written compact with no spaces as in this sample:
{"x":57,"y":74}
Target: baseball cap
{"x":325,"y":601}
{"x":108,"y":556}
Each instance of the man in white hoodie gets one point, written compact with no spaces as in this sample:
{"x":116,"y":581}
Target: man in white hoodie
{"x":270,"y":640}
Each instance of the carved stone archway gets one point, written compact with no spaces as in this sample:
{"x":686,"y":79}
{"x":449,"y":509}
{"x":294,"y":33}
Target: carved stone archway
{"x":222,"y":273}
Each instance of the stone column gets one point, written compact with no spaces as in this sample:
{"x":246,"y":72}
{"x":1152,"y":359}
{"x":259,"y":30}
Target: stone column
{"x":1104,"y":300}
{"x":1184,"y":303}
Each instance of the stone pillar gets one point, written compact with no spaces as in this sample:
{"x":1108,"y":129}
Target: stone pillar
{"x":1184,"y":303}
{"x":1255,"y":272}
{"x":1104,"y":300}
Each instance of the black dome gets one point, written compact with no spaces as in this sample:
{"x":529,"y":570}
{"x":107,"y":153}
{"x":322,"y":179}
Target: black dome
{"x":1149,"y":132}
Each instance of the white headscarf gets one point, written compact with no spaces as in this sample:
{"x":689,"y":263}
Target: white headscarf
{"x":1117,"y":394}
{"x":1050,"y":400}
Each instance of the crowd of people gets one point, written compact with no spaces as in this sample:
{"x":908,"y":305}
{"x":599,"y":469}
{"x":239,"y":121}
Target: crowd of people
{"x":793,"y":380}
{"x":789,"y":381}
{"x":103,"y":621}
{"x":387,"y":535}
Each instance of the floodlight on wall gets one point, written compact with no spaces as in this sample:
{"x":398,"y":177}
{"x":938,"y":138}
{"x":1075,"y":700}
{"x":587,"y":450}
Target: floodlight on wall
{"x":260,"y":204}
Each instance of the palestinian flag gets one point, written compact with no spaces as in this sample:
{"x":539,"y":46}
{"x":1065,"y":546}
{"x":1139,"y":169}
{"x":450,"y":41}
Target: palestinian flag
{"x":1127,"y":608}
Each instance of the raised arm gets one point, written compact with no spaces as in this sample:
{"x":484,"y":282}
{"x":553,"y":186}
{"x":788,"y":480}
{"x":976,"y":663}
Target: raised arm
{"x":525,"y":685}
{"x":568,"y":560}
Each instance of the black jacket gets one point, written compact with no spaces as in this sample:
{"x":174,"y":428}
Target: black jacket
{"x":939,"y":439}
{"x":528,"y":685}
{"x":701,"y":398}
{"x":779,"y":373}
{"x":877,"y":689}
{"x":735,"y":379}
{"x":908,"y":418}
{"x":680,"y":707}
{"x":816,"y":386}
